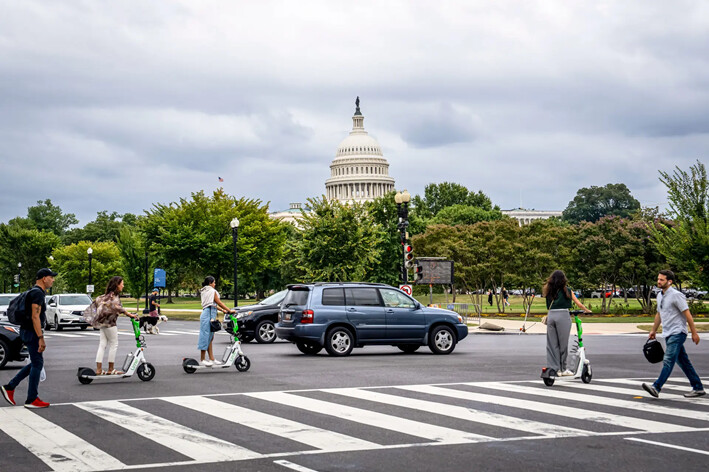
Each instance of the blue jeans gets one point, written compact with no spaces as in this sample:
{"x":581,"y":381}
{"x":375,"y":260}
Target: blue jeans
{"x":33,"y":369}
{"x":205,"y":333}
{"x":675,"y":352}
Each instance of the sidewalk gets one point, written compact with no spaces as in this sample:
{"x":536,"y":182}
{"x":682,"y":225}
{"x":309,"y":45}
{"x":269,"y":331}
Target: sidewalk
{"x":513,"y":327}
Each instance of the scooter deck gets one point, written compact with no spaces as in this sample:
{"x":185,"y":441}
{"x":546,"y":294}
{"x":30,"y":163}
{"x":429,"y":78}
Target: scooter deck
{"x":107,"y":376}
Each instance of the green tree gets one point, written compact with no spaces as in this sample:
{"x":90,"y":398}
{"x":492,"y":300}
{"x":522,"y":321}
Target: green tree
{"x":439,"y":196}
{"x":592,"y":204}
{"x":72,"y":263}
{"x":685,"y":243}
{"x":460,"y":214}
{"x":49,"y":217}
{"x":106,"y":227}
{"x":338,"y":242}
{"x":30,"y":247}
{"x":195,"y":235}
{"x":131,"y":247}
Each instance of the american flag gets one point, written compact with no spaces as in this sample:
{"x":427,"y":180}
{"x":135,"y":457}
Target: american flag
{"x":220,"y":179}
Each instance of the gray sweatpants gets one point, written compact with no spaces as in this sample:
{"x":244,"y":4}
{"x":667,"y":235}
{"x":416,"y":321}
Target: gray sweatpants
{"x":558,"y":330}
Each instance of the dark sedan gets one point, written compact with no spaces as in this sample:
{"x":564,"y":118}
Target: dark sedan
{"x":11,"y":346}
{"x":258,"y":321}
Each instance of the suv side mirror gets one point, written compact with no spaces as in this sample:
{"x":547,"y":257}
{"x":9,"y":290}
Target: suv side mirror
{"x":53,"y":304}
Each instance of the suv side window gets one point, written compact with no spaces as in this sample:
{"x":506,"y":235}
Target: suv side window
{"x":362,"y":296}
{"x":396,"y":299}
{"x":333,"y":296}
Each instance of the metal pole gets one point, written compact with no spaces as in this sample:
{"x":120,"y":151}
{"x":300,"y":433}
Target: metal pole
{"x":235,"y":236}
{"x":404,"y":227}
{"x":146,"y":281}
{"x":89,"y":269}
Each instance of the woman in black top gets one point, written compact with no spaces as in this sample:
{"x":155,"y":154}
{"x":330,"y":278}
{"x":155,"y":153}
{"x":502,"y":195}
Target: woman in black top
{"x":559,"y":298}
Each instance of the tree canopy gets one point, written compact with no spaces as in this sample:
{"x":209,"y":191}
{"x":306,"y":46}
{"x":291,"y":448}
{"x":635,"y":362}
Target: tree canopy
{"x":592,"y":204}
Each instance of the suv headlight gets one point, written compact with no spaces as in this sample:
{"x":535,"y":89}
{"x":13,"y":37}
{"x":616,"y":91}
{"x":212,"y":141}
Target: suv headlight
{"x":65,"y":312}
{"x":243,"y":314}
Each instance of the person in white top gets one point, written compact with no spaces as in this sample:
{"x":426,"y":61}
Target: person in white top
{"x":210,"y":304}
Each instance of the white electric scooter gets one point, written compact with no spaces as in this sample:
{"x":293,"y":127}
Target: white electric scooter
{"x":134,"y":363}
{"x":583,"y":365}
{"x":233,"y":355}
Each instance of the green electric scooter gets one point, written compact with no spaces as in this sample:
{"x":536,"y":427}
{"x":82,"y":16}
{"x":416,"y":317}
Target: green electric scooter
{"x":233,"y":355}
{"x":583,"y":365}
{"x":134,"y":363}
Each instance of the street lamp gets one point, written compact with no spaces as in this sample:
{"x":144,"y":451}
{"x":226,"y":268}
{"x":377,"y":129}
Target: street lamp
{"x":402,"y":200}
{"x":90,"y":251}
{"x":234,"y":235}
{"x":19,"y":277}
{"x":51,"y":261}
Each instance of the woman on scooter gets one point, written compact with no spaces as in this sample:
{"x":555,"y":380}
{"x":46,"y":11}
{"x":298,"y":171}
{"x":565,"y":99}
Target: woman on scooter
{"x":559,"y":299}
{"x":109,"y":307}
{"x":210,"y":304}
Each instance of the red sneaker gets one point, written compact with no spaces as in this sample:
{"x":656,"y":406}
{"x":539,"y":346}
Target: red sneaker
{"x":37,"y":403}
{"x":8,"y":394}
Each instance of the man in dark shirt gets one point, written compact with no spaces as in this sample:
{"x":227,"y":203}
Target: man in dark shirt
{"x":33,"y":337}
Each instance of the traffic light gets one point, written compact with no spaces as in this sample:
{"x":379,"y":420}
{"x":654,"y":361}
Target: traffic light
{"x":408,"y":256}
{"x":17,"y":278}
{"x":418,"y":272}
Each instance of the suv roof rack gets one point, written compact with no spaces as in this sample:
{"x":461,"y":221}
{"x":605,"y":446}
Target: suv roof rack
{"x":374,"y":284}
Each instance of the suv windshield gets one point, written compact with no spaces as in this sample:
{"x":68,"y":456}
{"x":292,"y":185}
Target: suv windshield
{"x":296,"y":297}
{"x":274,"y":299}
{"x":6,"y":299}
{"x":74,"y":300}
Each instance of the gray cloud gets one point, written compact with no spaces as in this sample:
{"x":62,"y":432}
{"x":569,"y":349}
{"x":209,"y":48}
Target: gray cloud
{"x":115,"y":106}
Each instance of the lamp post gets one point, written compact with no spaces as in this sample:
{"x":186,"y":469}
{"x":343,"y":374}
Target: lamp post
{"x":19,"y":277}
{"x":402,"y":200}
{"x":51,"y":261}
{"x":234,"y":235}
{"x":90,"y":251}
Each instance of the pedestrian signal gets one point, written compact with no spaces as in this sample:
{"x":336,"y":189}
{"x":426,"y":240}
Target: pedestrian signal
{"x":418,"y":272}
{"x":17,"y":278}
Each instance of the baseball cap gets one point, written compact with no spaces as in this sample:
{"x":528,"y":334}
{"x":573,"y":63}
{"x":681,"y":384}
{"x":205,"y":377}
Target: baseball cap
{"x":42,"y":273}
{"x":156,"y":289}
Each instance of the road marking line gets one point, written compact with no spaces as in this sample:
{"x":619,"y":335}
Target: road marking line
{"x":194,"y":333}
{"x":626,"y":391}
{"x":600,"y":400}
{"x":67,"y":335}
{"x":372,"y":418}
{"x":55,"y":446}
{"x":186,"y":441}
{"x":468,"y":414}
{"x":293,"y":466}
{"x":671,"y":446}
{"x":302,"y":433}
{"x":549,"y":408}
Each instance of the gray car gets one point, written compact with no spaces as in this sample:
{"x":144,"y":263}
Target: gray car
{"x":342,"y":316}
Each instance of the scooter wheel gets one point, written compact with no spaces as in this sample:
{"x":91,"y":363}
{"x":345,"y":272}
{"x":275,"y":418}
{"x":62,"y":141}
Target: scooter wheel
{"x":82,"y":376}
{"x":242,"y":363}
{"x":189,"y":365}
{"x":548,"y":381}
{"x":586,"y":374}
{"x":146,"y":372}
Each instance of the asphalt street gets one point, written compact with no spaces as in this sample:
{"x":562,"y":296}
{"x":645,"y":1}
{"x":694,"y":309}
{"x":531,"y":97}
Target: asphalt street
{"x":482,"y":407}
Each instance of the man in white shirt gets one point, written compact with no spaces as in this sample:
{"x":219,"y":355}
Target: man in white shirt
{"x":673,"y":313}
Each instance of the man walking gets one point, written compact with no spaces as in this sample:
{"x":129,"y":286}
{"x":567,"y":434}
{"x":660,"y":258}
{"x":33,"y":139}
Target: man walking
{"x":33,"y":337}
{"x":673,"y":313}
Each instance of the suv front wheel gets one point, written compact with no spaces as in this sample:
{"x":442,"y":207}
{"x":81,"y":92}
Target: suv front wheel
{"x":442,"y":340}
{"x":339,"y":342}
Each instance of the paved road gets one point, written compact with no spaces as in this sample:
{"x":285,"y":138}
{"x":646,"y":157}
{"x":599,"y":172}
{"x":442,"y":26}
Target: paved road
{"x":483,"y":407}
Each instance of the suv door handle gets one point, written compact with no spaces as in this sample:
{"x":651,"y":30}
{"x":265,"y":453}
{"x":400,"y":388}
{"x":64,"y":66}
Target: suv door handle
{"x":390,"y":311}
{"x":352,"y":309}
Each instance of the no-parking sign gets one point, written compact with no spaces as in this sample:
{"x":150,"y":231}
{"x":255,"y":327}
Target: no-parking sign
{"x":406,"y":289}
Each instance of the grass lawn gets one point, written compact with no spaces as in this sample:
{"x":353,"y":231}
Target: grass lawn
{"x":701,"y":328}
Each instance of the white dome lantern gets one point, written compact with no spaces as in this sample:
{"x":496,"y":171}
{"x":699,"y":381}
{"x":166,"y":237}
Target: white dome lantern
{"x":359,"y":171}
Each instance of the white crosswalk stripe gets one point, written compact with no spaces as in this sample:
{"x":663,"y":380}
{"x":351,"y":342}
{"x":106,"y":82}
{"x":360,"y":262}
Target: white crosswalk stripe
{"x":457,"y":413}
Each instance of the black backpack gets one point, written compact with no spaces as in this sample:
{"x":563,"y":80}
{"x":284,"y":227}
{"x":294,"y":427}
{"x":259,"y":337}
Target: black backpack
{"x":653,"y":351}
{"x":17,"y":310}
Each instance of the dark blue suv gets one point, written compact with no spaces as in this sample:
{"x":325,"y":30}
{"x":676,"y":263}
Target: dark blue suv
{"x":342,"y":316}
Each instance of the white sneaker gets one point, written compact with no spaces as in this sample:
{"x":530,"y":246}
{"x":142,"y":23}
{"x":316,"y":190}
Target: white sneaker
{"x":207,"y":363}
{"x":566,"y":373}
{"x":216,"y":362}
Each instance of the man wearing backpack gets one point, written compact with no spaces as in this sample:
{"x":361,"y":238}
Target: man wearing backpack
{"x":33,"y":337}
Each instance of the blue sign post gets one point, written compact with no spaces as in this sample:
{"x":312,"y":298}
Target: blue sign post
{"x":159,"y":278}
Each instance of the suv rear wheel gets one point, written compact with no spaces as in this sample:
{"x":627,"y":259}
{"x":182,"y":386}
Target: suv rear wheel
{"x":339,"y":342}
{"x":308,"y":347}
{"x":442,"y":340}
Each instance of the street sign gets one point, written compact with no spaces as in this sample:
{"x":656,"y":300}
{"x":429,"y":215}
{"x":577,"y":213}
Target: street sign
{"x":89,"y":289}
{"x":159,"y":278}
{"x":435,"y":271}
{"x":406,"y":289}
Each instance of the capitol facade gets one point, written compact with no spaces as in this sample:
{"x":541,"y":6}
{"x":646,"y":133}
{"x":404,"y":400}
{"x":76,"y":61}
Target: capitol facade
{"x":359,"y":172}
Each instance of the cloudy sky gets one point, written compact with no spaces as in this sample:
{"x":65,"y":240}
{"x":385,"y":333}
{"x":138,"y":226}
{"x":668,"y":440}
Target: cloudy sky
{"x":117,"y":105}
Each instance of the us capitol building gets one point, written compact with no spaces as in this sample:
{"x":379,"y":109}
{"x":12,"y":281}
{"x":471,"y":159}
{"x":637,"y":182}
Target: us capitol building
{"x":360,"y":173}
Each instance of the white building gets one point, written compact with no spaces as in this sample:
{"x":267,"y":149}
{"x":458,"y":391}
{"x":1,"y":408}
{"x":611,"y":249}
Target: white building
{"x":524,"y":216}
{"x":291,"y":215}
{"x":359,"y":171}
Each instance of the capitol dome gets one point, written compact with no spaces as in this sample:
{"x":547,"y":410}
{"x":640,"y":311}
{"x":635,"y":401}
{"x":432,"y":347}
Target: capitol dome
{"x":359,"y":171}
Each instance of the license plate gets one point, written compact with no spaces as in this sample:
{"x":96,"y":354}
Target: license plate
{"x":287,"y":316}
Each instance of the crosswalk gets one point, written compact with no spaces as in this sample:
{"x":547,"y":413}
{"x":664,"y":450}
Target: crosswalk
{"x":201,"y":429}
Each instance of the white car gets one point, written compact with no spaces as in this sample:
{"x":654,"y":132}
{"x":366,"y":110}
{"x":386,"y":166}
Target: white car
{"x":5,"y":299}
{"x":67,"y":310}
